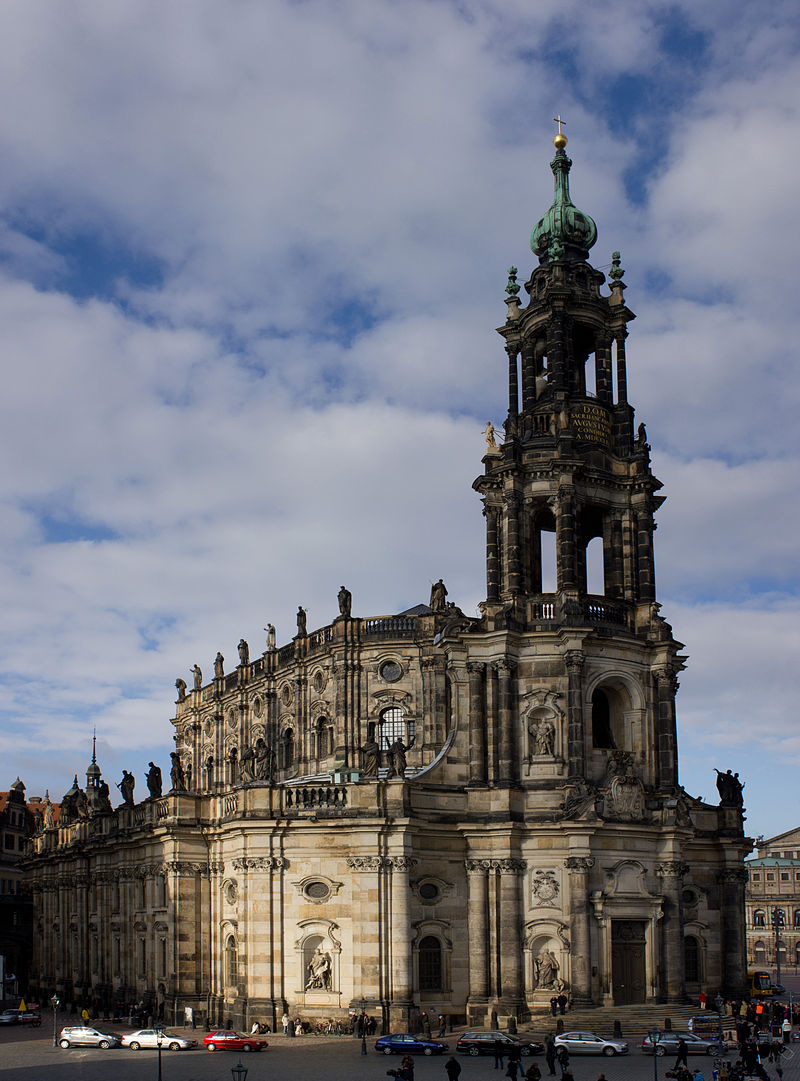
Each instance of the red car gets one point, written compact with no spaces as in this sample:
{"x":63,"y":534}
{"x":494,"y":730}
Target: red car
{"x":226,"y":1040}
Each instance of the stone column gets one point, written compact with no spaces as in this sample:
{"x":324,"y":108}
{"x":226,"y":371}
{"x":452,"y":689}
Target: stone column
{"x":672,"y":952}
{"x":622,"y":374}
{"x":513,"y":385}
{"x":528,"y":377}
{"x":603,"y":384}
{"x":492,"y":555}
{"x":400,"y":936}
{"x":514,"y":568}
{"x":507,"y":757}
{"x":510,"y":934}
{"x":565,"y":539}
{"x":477,"y":724}
{"x":580,"y":934}
{"x":732,"y":916}
{"x":576,"y":737}
{"x":555,"y":351}
{"x":666,"y":727}
{"x":478,"y":932}
{"x":645,"y":562}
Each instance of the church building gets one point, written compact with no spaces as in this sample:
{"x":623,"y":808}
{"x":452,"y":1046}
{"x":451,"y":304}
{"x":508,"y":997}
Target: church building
{"x":427,"y":810}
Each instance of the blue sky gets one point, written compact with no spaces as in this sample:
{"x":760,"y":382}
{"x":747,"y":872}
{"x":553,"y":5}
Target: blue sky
{"x":251,"y":259}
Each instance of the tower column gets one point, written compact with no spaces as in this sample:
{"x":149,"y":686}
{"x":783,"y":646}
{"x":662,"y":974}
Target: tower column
{"x":578,"y":868}
{"x":477,"y":724}
{"x":666,"y":727}
{"x":528,"y":377}
{"x":400,"y":937}
{"x":576,"y":746}
{"x":734,"y":968}
{"x":672,"y":949}
{"x":513,"y":386}
{"x":565,"y":539}
{"x":511,"y":500}
{"x":511,"y":991}
{"x":644,"y":545}
{"x":603,"y":383}
{"x":477,"y":930}
{"x":507,"y":772}
{"x":622,"y":372}
{"x":492,"y":555}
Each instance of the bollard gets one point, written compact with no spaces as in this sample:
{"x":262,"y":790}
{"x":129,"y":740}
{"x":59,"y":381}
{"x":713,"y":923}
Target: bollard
{"x":617,"y":1029}
{"x":668,"y":1024}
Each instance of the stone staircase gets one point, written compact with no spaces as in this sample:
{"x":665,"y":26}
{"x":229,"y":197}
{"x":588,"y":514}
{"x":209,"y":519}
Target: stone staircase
{"x":635,"y":1021}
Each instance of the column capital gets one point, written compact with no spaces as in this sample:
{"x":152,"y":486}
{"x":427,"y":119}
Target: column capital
{"x":672,"y":869}
{"x":666,"y":678}
{"x":366,"y":863}
{"x":402,"y":863}
{"x":511,"y":866}
{"x":579,"y":865}
{"x":733,"y":876}
{"x":504,"y":667}
{"x":574,"y":659}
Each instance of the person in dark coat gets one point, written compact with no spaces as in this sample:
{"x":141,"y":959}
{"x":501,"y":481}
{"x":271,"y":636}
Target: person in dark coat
{"x":550,"y":1053}
{"x":452,"y":1068}
{"x":499,"y":1051}
{"x":682,"y":1058}
{"x":563,"y":1060}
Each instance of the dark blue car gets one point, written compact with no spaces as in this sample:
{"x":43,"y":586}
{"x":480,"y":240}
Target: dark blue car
{"x":403,"y":1043}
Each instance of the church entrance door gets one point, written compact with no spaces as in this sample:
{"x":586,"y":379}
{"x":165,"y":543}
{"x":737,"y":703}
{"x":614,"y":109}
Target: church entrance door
{"x":628,"y":961}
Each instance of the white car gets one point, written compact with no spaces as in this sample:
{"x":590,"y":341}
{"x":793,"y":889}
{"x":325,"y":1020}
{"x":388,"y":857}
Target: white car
{"x":149,"y":1037}
{"x":588,"y":1043}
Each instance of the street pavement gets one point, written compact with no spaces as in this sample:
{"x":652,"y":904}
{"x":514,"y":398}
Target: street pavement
{"x":28,"y":1055}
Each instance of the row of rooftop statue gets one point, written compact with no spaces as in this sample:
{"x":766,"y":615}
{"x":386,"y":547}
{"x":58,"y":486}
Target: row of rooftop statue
{"x":438,"y":603}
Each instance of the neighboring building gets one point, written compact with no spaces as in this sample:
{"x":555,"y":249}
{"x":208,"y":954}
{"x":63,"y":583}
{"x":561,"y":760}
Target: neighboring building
{"x":774,"y":883}
{"x":423,"y":809}
{"x":19,"y":820}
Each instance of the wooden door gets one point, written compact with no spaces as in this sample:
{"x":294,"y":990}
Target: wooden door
{"x":628,"y":961}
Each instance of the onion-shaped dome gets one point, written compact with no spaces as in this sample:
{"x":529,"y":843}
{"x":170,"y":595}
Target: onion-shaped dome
{"x":564,"y":232}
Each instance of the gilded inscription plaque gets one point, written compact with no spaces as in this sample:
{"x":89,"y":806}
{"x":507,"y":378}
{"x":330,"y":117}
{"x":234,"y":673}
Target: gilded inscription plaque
{"x":592,"y":423}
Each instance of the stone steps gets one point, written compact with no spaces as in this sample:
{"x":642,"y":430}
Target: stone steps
{"x":635,"y":1021}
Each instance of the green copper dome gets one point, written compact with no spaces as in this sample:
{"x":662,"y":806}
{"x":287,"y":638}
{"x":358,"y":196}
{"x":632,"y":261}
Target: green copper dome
{"x":564,"y":232}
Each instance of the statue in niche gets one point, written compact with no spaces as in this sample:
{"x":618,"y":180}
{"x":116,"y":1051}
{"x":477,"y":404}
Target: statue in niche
{"x":126,"y":787}
{"x":730,"y":789}
{"x":319,"y":971}
{"x":219,"y":666}
{"x":438,"y":596}
{"x":181,"y":685}
{"x":397,"y":757}
{"x":546,"y":969}
{"x":154,"y":782}
{"x":247,"y":766}
{"x":197,"y":672}
{"x":370,"y":757}
{"x":176,"y":775}
{"x":491,"y":442}
{"x":543,"y":737}
{"x":271,"y":637}
{"x":345,"y":598}
{"x":244,"y":652}
{"x":301,"y":621}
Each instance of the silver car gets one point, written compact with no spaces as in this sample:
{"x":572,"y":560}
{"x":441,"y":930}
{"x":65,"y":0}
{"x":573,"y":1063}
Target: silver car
{"x":85,"y":1036}
{"x":149,"y":1037}
{"x":588,"y":1043}
{"x":667,"y":1044}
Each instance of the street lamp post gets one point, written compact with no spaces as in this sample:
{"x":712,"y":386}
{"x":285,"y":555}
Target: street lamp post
{"x":239,"y":1072}
{"x":777,"y":923}
{"x":55,"y":1002}
{"x":363,"y":1027}
{"x":655,"y":1036}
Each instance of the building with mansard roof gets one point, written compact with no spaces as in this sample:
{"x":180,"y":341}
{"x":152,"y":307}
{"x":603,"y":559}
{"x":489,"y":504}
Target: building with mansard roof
{"x":774,"y":886}
{"x":427,"y":810}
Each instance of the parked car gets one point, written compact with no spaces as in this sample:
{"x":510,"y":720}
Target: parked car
{"x":482,"y":1041}
{"x":85,"y":1036}
{"x":227,"y":1040}
{"x":588,"y":1043}
{"x":9,"y":1017}
{"x":29,"y":1017}
{"x":667,"y":1044}
{"x":149,"y":1037}
{"x":403,"y":1043}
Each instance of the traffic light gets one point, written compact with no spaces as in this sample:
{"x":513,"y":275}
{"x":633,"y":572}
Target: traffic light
{"x":778,"y":918}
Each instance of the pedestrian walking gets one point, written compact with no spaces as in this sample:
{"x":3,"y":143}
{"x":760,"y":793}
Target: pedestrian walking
{"x":499,"y":1051}
{"x":550,"y":1053}
{"x":442,"y":1025}
{"x":563,"y":1061}
{"x":533,"y":1073}
{"x":515,"y":1063}
{"x":562,"y":1003}
{"x":452,"y":1068}
{"x":554,"y":1005}
{"x":682,"y":1058}
{"x":285,"y":1023}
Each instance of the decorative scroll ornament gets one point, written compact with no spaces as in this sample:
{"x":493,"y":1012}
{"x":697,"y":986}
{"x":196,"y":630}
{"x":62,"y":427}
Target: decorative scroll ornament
{"x":545,"y":888}
{"x":261,"y":863}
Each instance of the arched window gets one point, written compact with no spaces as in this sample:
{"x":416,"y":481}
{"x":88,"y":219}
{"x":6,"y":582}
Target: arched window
{"x":430,"y":964}
{"x":595,"y":568}
{"x":761,"y":953}
{"x":287,"y":749}
{"x":392,"y":726}
{"x":602,"y":736}
{"x":759,"y":918}
{"x":796,"y":918}
{"x":231,"y":962}
{"x":692,"y":959}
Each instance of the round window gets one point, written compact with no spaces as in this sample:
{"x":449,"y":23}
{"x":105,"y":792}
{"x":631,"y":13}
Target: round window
{"x":258,"y":707}
{"x":391,"y":671}
{"x":317,"y":891}
{"x":689,"y":897}
{"x":428,"y":891}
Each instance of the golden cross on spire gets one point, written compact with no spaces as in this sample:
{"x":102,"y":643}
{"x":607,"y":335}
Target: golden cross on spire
{"x":559,"y":140}
{"x":559,"y":121}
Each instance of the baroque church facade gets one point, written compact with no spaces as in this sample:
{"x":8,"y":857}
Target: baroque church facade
{"x":427,"y":810}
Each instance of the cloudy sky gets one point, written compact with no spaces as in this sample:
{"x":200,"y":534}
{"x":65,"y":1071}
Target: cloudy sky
{"x":252,"y":255}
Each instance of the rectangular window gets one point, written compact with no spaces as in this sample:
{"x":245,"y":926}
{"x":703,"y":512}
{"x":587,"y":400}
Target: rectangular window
{"x":784,"y":876}
{"x":770,"y":877}
{"x":756,"y":876}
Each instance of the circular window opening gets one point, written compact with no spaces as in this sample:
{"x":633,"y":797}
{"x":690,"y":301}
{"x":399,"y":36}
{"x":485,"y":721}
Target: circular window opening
{"x":689,"y":897}
{"x":318,"y":891}
{"x":428,"y":891}
{"x":391,"y":671}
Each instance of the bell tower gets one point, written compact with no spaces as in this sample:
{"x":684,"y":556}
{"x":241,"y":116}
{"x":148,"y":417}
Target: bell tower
{"x":569,"y":497}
